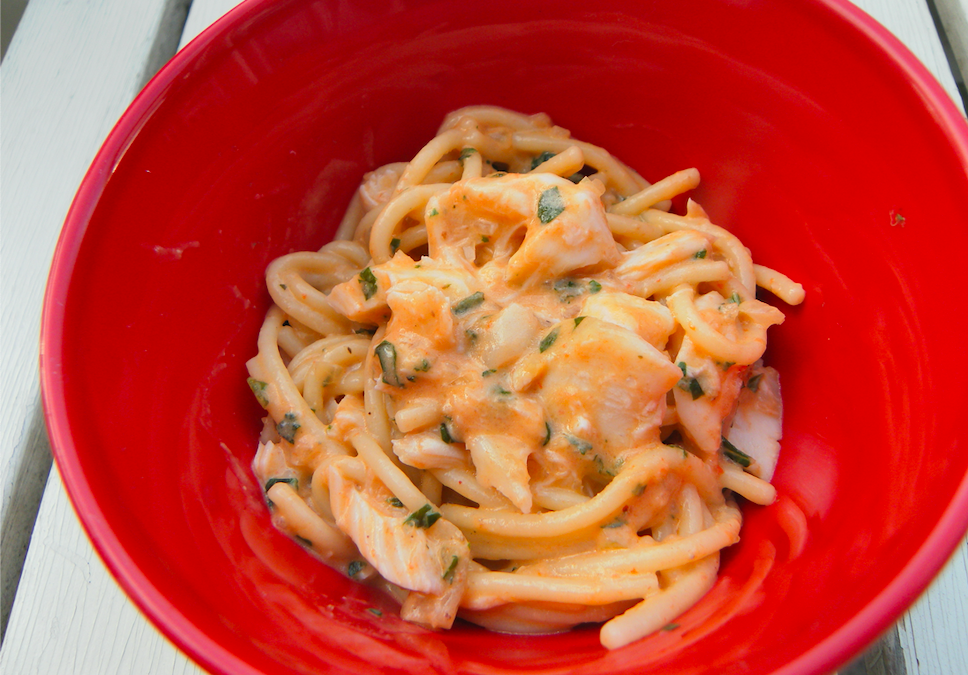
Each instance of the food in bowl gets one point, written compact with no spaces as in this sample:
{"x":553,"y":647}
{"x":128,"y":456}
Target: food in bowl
{"x":517,"y":388}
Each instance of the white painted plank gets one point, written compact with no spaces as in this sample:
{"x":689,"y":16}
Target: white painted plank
{"x":953,"y":15}
{"x":912,"y":24}
{"x":70,"y":71}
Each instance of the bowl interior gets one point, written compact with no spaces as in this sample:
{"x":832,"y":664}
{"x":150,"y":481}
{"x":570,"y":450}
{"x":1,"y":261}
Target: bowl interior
{"x":815,"y":147}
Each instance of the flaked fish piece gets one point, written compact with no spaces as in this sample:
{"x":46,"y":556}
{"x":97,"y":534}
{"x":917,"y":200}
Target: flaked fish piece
{"x":427,"y":450}
{"x":758,"y":423}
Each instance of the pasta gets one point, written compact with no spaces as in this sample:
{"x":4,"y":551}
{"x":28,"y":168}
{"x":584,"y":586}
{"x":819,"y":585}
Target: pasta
{"x":517,"y":388}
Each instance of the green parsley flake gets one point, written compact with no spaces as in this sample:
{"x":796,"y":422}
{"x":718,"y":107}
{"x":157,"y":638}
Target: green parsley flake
{"x":423,"y":367}
{"x":374,"y":611}
{"x":735,"y":454}
{"x":753,"y":384}
{"x":258,"y":388}
{"x":699,"y":255}
{"x":387,"y":354}
{"x":578,"y":320}
{"x":688,"y":383}
{"x":547,"y":438}
{"x":449,"y":574}
{"x":580,"y":444}
{"x":393,"y":501}
{"x":735,"y":298}
{"x":488,"y":372}
{"x":288,"y":426}
{"x":548,"y":340}
{"x":423,"y":517}
{"x":304,"y":541}
{"x":468,"y":303}
{"x":466,"y":152}
{"x":541,"y":159}
{"x":550,"y":205}
{"x":354,"y":568}
{"x":394,"y":245}
{"x":368,"y":283}
{"x":292,"y":482}
{"x":594,"y":286}
{"x":445,"y":433}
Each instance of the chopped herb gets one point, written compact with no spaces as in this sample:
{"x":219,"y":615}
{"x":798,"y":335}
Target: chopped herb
{"x":548,"y":340}
{"x":578,"y":320}
{"x":618,"y":522}
{"x":434,"y":212}
{"x":374,"y":611}
{"x":355,"y":567}
{"x":594,"y":286}
{"x":468,"y":303}
{"x":258,"y":388}
{"x":387,"y":353}
{"x":501,"y":391}
{"x":471,"y":335}
{"x":365,"y":331}
{"x":449,"y":574}
{"x":488,"y":372}
{"x":735,"y":454}
{"x":580,"y":444}
{"x":293,"y":482}
{"x":753,"y":384}
{"x":304,"y":541}
{"x":411,"y":378}
{"x":699,"y":255}
{"x":445,"y":433}
{"x":394,"y":244}
{"x":576,"y":178}
{"x":638,"y":489}
{"x":727,"y":364}
{"x":466,"y":152}
{"x":541,"y":159}
{"x":283,"y":286}
{"x":423,"y":517}
{"x":735,"y":298}
{"x":485,"y":238}
{"x":423,"y":367}
{"x":688,"y":383}
{"x":550,"y":205}
{"x":670,"y":626}
{"x":286,"y":323}
{"x":393,"y":501}
{"x":568,"y":289}
{"x":368,"y":283}
{"x":288,"y":426}
{"x":547,"y":437}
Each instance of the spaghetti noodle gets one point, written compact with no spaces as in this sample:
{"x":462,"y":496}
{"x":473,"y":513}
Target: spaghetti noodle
{"x":516,"y":387}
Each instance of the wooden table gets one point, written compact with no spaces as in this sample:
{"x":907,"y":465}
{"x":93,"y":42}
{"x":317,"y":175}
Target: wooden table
{"x":69,"y":73}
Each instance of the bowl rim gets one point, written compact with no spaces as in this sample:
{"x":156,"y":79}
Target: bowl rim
{"x":831,"y":652}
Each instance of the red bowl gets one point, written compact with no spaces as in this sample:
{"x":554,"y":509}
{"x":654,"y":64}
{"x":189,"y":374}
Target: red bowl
{"x":822,"y":143}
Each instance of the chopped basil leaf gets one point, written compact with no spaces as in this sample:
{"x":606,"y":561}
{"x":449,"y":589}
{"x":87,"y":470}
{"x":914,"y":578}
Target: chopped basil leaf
{"x":568,"y":289}
{"x":682,"y":367}
{"x":466,"y":152}
{"x":394,"y":245}
{"x":578,"y":320}
{"x":445,"y":433}
{"x":374,"y":611}
{"x":434,"y":212}
{"x":485,"y":238}
{"x":471,"y":335}
{"x":691,"y":385}
{"x":449,"y":574}
{"x":365,"y":331}
{"x":423,"y":367}
{"x":258,"y":388}
{"x":594,"y":286}
{"x":368,"y":283}
{"x":541,"y":159}
{"x":735,"y":298}
{"x":355,"y":567}
{"x":548,"y":340}
{"x":489,"y":371}
{"x":580,"y":444}
{"x":468,"y":303}
{"x":501,"y":391}
{"x":283,"y":286}
{"x":387,"y":353}
{"x":638,"y":489}
{"x":423,"y":517}
{"x":293,"y":482}
{"x":699,"y":255}
{"x":670,"y":626}
{"x":735,"y":454}
{"x":753,"y":384}
{"x":547,"y":437}
{"x":393,"y":501}
{"x":286,"y":323}
{"x":618,"y":522}
{"x":288,"y":426}
{"x":727,"y":364}
{"x":550,"y":205}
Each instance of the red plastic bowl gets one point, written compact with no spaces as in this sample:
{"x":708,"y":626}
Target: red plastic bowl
{"x":822,"y":143}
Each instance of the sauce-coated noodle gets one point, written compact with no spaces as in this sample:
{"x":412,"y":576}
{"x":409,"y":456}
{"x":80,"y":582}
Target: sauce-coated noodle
{"x":516,"y":388}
